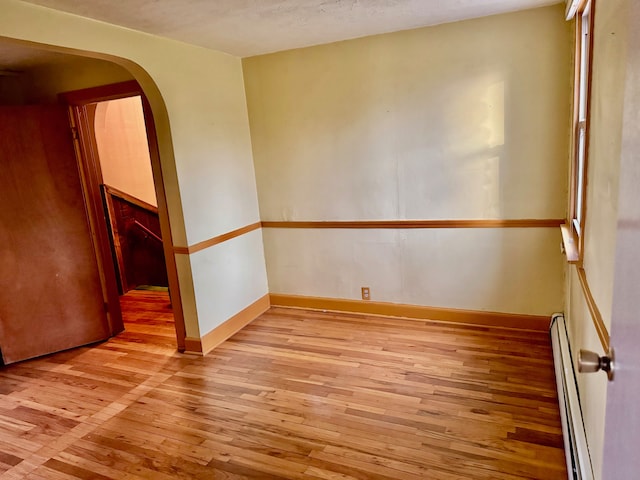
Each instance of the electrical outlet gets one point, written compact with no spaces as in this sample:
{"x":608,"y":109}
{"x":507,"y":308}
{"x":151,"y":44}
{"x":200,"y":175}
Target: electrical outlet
{"x":366,"y":295}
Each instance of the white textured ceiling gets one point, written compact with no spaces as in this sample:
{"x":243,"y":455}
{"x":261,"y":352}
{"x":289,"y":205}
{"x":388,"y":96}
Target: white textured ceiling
{"x":251,"y":27}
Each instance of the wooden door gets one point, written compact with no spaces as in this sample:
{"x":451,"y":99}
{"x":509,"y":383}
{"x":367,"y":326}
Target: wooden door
{"x":51,"y":296}
{"x":622,"y":420}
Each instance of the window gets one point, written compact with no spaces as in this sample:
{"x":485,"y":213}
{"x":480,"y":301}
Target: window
{"x":573,"y":233}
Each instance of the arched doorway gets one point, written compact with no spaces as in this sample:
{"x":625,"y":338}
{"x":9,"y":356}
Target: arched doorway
{"x":61,"y":61}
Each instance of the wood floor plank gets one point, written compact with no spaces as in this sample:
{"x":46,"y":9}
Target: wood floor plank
{"x":295,"y":395}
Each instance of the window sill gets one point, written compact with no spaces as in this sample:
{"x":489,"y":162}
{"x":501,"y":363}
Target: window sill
{"x":570,"y":244}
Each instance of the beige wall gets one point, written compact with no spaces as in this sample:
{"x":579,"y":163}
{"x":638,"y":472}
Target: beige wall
{"x":121,"y":137}
{"x":464,"y":120}
{"x":478,"y":269}
{"x":42,"y":84}
{"x":198,"y":101}
{"x":609,"y":67}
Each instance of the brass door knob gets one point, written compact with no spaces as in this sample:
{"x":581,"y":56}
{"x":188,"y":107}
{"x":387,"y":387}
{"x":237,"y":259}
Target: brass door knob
{"x":589,"y":362}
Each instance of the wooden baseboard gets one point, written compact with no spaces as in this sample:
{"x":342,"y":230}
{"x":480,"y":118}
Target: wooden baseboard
{"x":417,"y":312}
{"x":215,"y":337}
{"x":192,"y":345}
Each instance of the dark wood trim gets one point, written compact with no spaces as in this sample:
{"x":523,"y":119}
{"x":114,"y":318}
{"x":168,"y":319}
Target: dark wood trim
{"x":193,"y":345}
{"x":109,"y":193}
{"x":596,"y":316}
{"x":147,"y":231}
{"x":415,"y":312}
{"x":79,"y":102}
{"x":91,"y":178}
{"x":115,"y":238}
{"x":401,"y":224}
{"x":130,"y":198}
{"x":216,"y":240}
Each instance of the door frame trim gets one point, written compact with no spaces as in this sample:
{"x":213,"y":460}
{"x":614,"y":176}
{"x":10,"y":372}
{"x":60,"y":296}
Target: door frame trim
{"x":77,"y":101}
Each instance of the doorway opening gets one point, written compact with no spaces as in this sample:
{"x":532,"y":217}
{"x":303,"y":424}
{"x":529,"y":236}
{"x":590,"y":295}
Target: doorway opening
{"x":115,"y":143}
{"x":128,"y":194}
{"x":131,"y":212}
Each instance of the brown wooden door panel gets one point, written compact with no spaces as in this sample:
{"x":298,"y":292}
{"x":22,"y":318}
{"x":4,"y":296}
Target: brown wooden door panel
{"x":50,"y":292}
{"x":136,"y":240}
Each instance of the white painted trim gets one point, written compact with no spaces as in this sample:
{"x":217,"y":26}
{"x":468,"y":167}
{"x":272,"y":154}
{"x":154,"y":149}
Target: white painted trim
{"x":572,"y":8}
{"x":575,"y":438}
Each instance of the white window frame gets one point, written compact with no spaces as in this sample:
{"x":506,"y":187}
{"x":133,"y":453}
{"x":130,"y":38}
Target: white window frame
{"x":573,"y":233}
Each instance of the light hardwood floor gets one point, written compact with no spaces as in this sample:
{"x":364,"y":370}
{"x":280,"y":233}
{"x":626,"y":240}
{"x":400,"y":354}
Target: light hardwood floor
{"x":296,"y":394}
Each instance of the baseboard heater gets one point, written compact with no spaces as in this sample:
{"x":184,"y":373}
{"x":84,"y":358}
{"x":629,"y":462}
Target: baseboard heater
{"x":575,"y":439}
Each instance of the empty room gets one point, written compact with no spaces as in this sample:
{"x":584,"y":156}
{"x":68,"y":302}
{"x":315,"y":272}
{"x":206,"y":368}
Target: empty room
{"x":385,"y":239}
